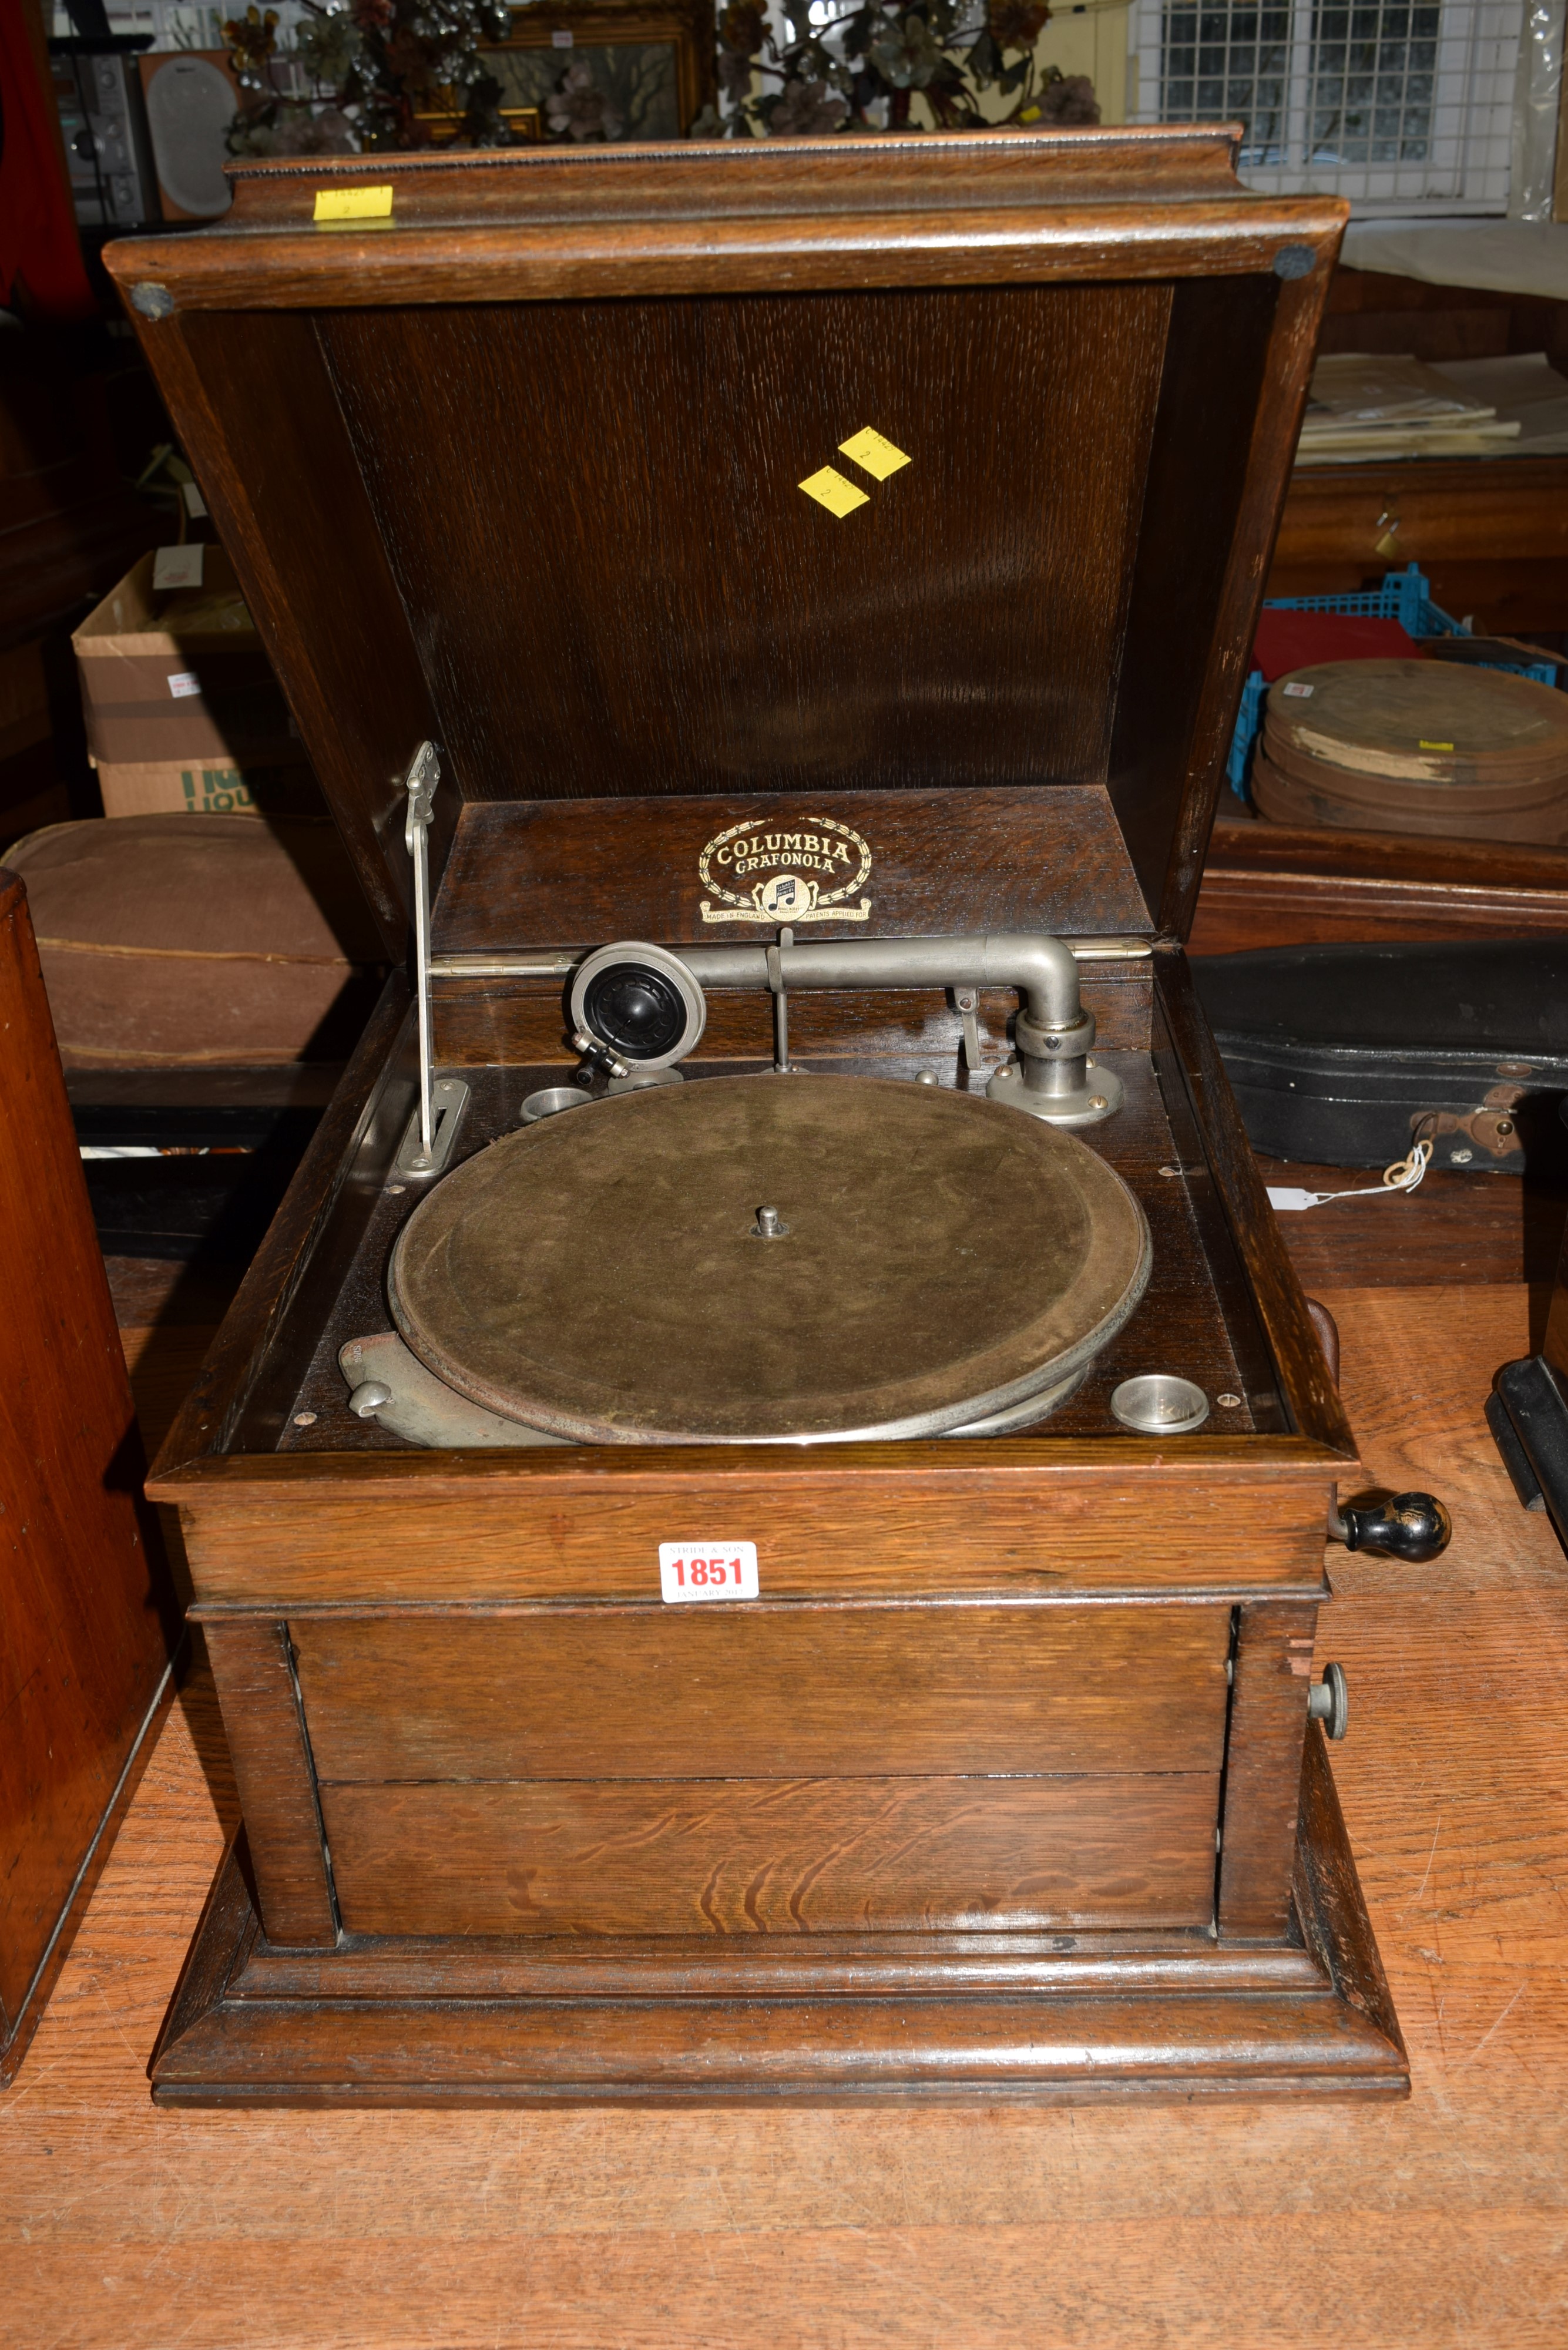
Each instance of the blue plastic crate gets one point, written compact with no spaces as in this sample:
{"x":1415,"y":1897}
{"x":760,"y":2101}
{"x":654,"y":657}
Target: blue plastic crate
{"x":1405,"y":597}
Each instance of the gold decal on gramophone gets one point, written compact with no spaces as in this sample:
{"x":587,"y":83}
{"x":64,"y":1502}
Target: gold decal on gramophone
{"x":764,"y":871}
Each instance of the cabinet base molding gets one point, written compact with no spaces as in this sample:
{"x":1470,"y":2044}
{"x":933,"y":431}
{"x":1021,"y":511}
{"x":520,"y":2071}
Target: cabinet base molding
{"x":807,"y":2020}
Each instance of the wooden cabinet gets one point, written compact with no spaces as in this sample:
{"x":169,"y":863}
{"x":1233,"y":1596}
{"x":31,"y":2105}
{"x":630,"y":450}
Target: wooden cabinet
{"x":1001,"y":1782}
{"x":87,"y":1615}
{"x":1490,"y":533}
{"x":1273,"y":885}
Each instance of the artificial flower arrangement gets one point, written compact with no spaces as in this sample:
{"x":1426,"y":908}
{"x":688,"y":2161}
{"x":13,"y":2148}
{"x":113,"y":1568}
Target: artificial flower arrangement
{"x":364,"y":75}
{"x":371,"y":74}
{"x":864,"y":69}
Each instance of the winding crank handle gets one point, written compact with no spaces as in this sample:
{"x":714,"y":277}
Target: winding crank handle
{"x":1415,"y":1527}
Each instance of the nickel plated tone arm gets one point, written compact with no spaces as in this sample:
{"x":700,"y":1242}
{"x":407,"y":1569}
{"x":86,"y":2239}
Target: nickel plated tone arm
{"x":1053,"y":1032}
{"x":1052,"y":1076}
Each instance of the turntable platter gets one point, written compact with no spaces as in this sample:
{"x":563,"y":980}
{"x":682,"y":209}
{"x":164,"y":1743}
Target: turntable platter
{"x":602,"y":1274}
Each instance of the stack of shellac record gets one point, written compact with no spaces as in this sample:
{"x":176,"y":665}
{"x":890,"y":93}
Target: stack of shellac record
{"x":1415,"y":746}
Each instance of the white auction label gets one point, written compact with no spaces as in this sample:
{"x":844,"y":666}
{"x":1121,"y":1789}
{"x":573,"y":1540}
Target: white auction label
{"x":184,"y":681}
{"x":178,"y":567}
{"x":708,"y":1570}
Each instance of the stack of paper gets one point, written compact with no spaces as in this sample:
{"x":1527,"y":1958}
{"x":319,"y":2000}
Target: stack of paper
{"x":1525,"y":390}
{"x":1371,"y":406}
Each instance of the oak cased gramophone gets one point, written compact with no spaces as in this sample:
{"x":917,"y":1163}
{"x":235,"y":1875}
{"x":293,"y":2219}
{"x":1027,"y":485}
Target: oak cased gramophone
{"x":759,"y":1517}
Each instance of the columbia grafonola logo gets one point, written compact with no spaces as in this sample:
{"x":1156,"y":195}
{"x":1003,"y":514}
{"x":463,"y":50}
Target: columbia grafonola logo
{"x":807,"y":873}
{"x":874,"y":453}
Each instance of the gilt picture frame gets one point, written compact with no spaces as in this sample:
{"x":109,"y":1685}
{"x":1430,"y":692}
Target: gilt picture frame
{"x":650,"y":65}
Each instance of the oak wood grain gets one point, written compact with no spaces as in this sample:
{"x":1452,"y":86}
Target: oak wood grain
{"x":1219,"y":462}
{"x":1189,"y":162}
{"x":750,"y":1965}
{"x":253,"y":1672}
{"x":777,"y":643}
{"x":87,"y":1619}
{"x":302,"y":1542}
{"x":527,"y":873}
{"x":1272,"y":1667}
{"x":1438,"y":2222}
{"x":415,"y":2042}
{"x":637,"y":2056}
{"x":1333,"y":1920}
{"x":1449,"y":511}
{"x":675,"y":219}
{"x":584,"y":307}
{"x":1268,"y":885}
{"x":748,"y":1691}
{"x":774,"y":1856}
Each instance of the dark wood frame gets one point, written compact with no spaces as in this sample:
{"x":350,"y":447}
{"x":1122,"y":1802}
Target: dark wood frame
{"x":277,"y":1537}
{"x":88,"y":1617}
{"x":1269,"y":885}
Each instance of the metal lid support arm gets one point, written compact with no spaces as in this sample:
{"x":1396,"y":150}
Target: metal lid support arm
{"x":431,"y":1132}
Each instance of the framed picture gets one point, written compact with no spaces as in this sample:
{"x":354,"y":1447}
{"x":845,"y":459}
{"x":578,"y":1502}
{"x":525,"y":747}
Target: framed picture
{"x":608,"y":69}
{"x":524,"y":123}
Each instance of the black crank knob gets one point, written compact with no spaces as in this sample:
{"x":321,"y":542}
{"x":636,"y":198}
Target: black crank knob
{"x":1415,"y":1527}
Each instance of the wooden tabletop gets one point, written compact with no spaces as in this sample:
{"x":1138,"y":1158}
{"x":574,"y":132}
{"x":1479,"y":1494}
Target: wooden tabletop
{"x":1444,"y":2221}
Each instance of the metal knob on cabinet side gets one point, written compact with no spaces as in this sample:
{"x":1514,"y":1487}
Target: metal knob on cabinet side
{"x":1329,"y":1702}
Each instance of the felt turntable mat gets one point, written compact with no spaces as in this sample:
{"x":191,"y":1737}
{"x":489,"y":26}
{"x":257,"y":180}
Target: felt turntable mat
{"x":598,"y":1274}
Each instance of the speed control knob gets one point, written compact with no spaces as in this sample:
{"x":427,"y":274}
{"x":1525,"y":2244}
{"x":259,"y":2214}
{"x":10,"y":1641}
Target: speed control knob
{"x":1329,"y":1702}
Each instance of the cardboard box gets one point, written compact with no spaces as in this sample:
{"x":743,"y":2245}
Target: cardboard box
{"x":170,"y":788}
{"x":180,"y":677}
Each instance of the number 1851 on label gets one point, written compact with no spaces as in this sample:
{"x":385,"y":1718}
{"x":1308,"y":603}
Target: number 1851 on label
{"x":708,"y":1570}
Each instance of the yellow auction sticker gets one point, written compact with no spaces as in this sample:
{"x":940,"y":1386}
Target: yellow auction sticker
{"x":1437,"y":746}
{"x":830,"y":489}
{"x":353,"y":203}
{"x":874,"y":453}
